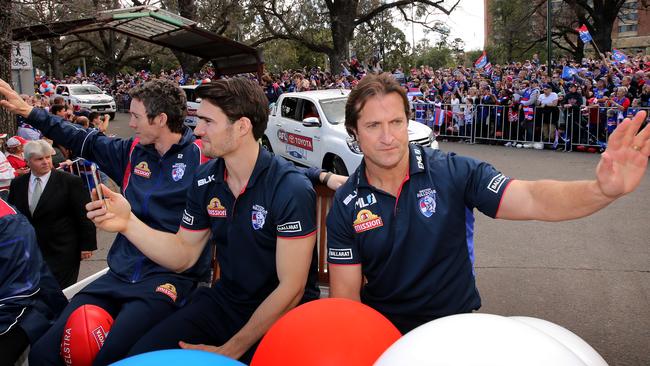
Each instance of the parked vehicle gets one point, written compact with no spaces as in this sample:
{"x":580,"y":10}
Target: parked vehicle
{"x":308,"y":128}
{"x":87,"y":96}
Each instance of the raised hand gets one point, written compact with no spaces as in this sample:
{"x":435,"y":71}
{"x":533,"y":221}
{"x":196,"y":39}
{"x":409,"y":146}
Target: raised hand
{"x":623,"y":164}
{"x":13,"y":102}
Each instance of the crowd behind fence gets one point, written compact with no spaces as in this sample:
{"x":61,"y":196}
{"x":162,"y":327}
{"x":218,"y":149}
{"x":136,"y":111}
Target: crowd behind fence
{"x":567,"y":128}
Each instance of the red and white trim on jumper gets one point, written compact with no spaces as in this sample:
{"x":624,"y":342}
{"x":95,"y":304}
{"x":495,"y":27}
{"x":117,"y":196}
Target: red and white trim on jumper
{"x":127,"y":171}
{"x":204,"y":159}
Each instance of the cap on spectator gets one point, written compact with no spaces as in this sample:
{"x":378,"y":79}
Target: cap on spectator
{"x":3,"y":135}
{"x":16,"y":141}
{"x":571,"y":85}
{"x":535,"y":81}
{"x":546,"y":86}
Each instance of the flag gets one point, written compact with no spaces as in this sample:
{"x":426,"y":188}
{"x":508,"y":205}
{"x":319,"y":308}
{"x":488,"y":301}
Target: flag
{"x":584,"y":34}
{"x":79,"y":72}
{"x":481,"y":61}
{"x":488,"y":68}
{"x":619,"y":56}
{"x":568,"y":72}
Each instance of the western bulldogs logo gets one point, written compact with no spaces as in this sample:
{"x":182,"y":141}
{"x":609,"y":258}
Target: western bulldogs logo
{"x":427,"y":204}
{"x":258,"y":217}
{"x":178,"y":170}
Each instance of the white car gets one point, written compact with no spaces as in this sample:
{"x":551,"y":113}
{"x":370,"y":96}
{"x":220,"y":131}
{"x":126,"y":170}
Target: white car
{"x":308,"y":128}
{"x":192,"y":105}
{"x":87,"y":96}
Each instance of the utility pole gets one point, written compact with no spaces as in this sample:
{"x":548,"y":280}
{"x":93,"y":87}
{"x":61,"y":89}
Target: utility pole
{"x":548,"y":37}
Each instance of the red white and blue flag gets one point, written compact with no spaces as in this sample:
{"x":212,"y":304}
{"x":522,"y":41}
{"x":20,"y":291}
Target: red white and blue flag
{"x":482,"y":61}
{"x":619,"y":56}
{"x":584,"y":34}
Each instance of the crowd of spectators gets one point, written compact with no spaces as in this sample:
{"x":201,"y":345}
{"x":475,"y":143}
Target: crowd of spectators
{"x":466,"y":101}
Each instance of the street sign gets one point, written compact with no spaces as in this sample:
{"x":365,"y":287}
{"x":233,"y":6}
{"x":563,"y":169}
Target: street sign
{"x":21,"y":56}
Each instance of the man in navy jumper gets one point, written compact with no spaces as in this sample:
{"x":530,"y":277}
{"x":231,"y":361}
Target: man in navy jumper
{"x":259,"y":212}
{"x":404,"y":220}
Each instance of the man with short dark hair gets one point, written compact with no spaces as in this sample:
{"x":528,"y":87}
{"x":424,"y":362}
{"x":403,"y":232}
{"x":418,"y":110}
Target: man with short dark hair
{"x":152,"y":169}
{"x":399,"y":232}
{"x":259,"y":212}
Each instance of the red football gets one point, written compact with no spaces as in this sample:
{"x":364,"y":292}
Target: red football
{"x":84,"y":334}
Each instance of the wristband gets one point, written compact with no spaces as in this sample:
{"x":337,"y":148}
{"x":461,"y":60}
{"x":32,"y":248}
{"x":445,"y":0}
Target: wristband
{"x":327,"y":178}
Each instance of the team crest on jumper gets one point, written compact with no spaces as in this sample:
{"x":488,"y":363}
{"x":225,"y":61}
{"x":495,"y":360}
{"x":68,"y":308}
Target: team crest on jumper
{"x":366,"y":220}
{"x":215,"y":209}
{"x":178,"y":170}
{"x":427,"y":202}
{"x":258,"y":217}
{"x":142,"y":169}
{"x":168,"y":289}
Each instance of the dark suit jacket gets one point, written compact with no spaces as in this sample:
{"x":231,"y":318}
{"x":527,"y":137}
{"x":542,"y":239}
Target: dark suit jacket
{"x":62,"y":228}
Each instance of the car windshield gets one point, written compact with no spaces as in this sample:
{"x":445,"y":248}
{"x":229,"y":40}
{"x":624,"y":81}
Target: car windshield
{"x":84,"y":90}
{"x":334,"y":109}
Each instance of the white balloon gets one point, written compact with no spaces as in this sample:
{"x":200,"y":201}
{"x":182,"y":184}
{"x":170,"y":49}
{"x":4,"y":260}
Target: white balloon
{"x":577,"y":345}
{"x":477,"y":340}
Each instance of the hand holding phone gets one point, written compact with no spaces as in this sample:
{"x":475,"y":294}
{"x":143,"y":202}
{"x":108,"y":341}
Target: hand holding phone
{"x":96,"y":181}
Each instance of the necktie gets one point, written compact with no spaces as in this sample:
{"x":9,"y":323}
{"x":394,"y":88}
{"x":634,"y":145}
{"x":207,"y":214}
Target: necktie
{"x":36,"y":195}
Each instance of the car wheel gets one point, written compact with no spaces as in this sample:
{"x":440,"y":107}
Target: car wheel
{"x":266,"y":144}
{"x":338,"y":167}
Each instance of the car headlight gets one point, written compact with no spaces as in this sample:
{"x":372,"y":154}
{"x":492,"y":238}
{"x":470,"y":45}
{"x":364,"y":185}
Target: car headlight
{"x":353,"y":145}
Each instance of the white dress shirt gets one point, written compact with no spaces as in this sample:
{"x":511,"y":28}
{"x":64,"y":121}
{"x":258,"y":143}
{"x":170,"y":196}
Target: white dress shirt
{"x":32,"y":184}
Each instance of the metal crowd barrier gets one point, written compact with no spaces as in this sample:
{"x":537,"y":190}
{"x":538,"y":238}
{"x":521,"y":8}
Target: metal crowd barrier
{"x":584,"y":128}
{"x":84,"y":169}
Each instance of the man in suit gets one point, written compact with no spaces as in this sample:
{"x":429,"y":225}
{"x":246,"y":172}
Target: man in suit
{"x":53,"y":201}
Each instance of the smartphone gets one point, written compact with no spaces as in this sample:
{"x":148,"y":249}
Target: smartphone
{"x":96,"y":180}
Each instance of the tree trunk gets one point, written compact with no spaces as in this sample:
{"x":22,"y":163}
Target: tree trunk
{"x":7,"y":120}
{"x":342,"y":31}
{"x":190,"y":64}
{"x":579,"y":51}
{"x":603,"y":36}
{"x":55,"y":60}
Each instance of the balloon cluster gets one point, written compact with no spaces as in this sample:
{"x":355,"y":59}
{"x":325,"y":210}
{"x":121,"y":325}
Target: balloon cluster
{"x":347,"y":333}
{"x":46,"y":88}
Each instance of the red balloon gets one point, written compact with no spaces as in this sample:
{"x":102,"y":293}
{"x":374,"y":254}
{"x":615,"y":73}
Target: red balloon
{"x":84,"y":334}
{"x":329,"y":332}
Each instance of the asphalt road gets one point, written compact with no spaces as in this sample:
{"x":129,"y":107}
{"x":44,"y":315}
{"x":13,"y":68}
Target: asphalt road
{"x":591,"y":275}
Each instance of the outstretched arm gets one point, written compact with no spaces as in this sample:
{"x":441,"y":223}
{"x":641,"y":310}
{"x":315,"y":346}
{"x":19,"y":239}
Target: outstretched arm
{"x":177,"y":252}
{"x":620,"y":170}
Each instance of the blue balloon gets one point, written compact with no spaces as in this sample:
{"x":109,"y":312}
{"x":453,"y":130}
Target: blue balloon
{"x":178,"y":357}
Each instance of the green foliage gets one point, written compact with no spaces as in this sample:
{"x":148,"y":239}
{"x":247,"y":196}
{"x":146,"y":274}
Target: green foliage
{"x":435,"y":57}
{"x":379,"y":38}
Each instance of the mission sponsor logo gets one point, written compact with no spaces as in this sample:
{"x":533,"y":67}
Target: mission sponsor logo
{"x":496,"y":182}
{"x":215,"y":209}
{"x":300,"y":141}
{"x":168,"y":289}
{"x":366,"y":220}
{"x":142,"y":169}
{"x":334,"y":253}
